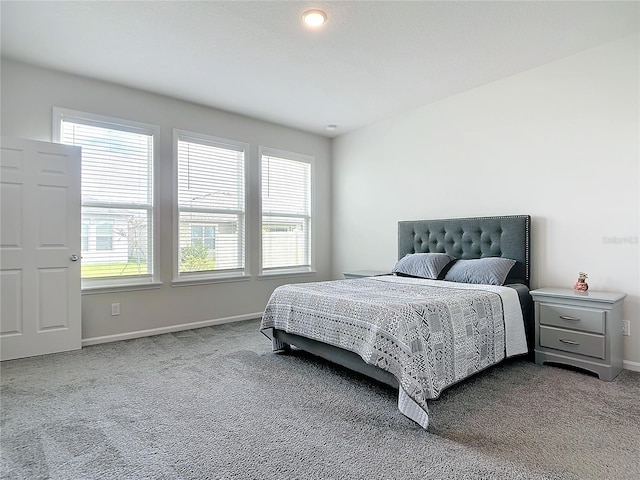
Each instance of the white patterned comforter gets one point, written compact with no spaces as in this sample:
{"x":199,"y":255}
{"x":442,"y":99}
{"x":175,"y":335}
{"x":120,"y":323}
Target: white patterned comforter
{"x":429,"y":334}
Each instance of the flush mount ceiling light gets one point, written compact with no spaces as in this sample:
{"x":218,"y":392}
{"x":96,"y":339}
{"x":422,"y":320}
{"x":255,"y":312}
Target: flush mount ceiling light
{"x":314,"y":18}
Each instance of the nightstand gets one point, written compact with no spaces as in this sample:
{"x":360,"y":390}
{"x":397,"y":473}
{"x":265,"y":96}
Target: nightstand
{"x":364,"y":273}
{"x":581,"y":329}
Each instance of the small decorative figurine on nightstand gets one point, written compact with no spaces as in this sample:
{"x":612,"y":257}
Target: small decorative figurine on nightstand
{"x":581,"y":285}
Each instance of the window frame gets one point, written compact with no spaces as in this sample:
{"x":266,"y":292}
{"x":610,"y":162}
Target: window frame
{"x":115,"y":284}
{"x":297,"y":270}
{"x":198,"y":278}
{"x":85,"y":232}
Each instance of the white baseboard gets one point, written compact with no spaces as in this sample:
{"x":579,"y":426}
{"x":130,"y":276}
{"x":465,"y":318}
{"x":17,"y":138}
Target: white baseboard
{"x":629,"y":365}
{"x":172,"y":328}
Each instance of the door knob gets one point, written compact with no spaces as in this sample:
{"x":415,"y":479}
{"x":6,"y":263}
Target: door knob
{"x":74,"y":258}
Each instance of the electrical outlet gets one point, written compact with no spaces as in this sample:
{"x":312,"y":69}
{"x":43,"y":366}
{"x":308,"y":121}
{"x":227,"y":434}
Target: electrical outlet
{"x":115,"y":309}
{"x":626,"y":328}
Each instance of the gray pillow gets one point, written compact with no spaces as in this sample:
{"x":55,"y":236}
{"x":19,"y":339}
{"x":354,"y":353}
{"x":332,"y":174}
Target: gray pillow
{"x":486,"y":271}
{"x":423,"y":265}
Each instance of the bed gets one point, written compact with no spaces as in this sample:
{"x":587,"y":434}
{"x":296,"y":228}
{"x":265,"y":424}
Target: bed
{"x":457,"y":303}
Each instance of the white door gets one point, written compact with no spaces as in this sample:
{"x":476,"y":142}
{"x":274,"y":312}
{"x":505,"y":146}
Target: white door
{"x":39,"y":248}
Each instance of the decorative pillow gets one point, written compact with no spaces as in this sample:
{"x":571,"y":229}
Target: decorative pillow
{"x":423,"y":265}
{"x":487,"y":271}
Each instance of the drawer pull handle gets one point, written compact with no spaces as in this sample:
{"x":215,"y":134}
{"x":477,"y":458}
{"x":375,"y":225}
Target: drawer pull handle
{"x":570,"y":342}
{"x":567,"y":317}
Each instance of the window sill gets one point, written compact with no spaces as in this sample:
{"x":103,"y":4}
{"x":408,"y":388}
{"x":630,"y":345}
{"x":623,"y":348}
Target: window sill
{"x":286,"y":273}
{"x":204,"y":280}
{"x":127,"y":287}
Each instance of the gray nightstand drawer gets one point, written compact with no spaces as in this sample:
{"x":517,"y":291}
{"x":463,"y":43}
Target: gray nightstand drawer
{"x":576,"y":318}
{"x":574,"y":342}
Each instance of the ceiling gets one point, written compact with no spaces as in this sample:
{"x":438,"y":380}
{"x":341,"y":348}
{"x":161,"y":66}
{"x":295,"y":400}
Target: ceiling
{"x":370,"y":61}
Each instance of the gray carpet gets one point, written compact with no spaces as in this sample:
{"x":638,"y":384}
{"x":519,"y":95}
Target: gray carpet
{"x":216,"y":403}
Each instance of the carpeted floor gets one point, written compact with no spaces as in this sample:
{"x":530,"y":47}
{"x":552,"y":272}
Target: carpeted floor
{"x":215,"y":403}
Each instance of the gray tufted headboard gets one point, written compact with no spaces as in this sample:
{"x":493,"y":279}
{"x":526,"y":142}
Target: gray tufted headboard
{"x":506,"y":236}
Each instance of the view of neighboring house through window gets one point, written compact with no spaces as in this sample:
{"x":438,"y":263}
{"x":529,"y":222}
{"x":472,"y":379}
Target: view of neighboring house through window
{"x":211,"y":205}
{"x":117,"y":195}
{"x":286,"y":211}
{"x":204,"y":234}
{"x":104,"y":235}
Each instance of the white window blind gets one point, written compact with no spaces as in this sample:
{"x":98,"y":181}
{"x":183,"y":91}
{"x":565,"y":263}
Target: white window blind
{"x":211,"y":205}
{"x":117,"y":197}
{"x":286,"y":211}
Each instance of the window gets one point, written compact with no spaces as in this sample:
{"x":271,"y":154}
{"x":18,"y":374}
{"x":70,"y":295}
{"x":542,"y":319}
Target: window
{"x":117,"y":235}
{"x":211,"y":207}
{"x":286,"y":215}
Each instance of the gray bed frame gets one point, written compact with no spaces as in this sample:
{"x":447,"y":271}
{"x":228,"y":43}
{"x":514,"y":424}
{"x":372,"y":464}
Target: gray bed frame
{"x":462,"y":238}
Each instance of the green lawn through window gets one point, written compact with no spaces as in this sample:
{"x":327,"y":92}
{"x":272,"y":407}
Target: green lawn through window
{"x":113,"y":269}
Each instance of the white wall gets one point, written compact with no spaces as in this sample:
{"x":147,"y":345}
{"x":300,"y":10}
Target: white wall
{"x":28,"y":95}
{"x":560,"y":142}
